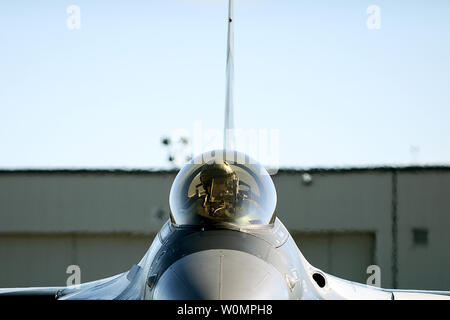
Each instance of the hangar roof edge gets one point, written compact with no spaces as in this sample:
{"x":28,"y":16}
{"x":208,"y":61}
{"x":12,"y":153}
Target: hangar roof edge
{"x":145,"y":171}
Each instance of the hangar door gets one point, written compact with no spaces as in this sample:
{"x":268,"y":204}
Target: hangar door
{"x":345,"y":255}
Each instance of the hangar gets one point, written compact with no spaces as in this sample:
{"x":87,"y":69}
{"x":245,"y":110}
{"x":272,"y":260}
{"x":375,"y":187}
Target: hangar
{"x":343,"y":219}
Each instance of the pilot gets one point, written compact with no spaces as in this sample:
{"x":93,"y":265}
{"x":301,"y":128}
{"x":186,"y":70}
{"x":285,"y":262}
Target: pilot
{"x":221,"y":186}
{"x":222,"y":197}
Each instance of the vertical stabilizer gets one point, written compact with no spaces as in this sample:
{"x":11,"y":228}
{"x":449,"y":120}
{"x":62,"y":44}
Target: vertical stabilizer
{"x":228,"y":138}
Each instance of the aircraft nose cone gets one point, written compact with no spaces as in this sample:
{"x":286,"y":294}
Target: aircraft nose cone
{"x":221,"y":275}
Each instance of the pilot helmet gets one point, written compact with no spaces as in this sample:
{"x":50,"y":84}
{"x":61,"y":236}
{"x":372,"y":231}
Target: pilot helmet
{"x":221,"y":186}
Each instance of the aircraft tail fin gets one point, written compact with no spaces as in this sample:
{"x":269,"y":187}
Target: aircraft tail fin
{"x":229,"y":139}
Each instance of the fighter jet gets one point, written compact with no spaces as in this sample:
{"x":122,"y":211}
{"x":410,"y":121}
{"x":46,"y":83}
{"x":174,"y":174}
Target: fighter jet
{"x":223,"y":240}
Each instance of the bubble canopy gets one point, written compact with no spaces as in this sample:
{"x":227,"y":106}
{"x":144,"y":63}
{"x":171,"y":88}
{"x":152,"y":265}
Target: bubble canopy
{"x":223,"y":187}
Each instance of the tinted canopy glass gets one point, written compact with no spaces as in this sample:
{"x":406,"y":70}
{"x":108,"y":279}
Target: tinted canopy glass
{"x":223,"y":188}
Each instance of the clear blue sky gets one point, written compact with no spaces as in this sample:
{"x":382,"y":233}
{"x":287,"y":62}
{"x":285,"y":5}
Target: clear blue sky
{"x":339,"y":93}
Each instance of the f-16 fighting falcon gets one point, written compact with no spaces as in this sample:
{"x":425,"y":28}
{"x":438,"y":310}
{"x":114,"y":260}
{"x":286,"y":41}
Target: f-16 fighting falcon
{"x":223,"y":240}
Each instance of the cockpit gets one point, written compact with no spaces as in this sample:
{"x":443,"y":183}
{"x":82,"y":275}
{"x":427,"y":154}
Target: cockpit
{"x":223,"y":188}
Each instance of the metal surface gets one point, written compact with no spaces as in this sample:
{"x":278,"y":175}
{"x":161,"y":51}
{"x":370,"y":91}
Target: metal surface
{"x":229,"y":137}
{"x":221,"y":274}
